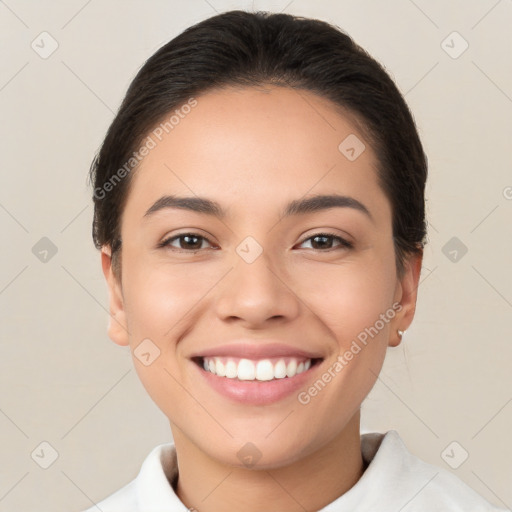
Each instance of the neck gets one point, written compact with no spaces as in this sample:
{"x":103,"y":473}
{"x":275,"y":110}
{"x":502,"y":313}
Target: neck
{"x":310,"y":483}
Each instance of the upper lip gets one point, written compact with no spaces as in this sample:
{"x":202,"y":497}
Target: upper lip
{"x":259,"y":350}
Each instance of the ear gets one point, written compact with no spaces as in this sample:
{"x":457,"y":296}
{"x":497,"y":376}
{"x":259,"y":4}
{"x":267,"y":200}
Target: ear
{"x":406,"y":294}
{"x":117,"y":329}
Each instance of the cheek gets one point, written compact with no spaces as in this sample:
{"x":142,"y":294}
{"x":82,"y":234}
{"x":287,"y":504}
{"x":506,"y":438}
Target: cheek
{"x":163,"y":299}
{"x":354,"y":302}
{"x":350,"y":296}
{"x":157,"y":300}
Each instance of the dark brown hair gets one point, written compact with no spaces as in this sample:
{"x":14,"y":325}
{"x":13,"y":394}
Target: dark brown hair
{"x":239,"y":48}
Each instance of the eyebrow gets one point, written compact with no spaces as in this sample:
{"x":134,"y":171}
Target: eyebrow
{"x":296,"y":207}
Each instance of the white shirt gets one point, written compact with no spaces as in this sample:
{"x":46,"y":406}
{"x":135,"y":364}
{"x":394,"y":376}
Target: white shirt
{"x":394,"y":480}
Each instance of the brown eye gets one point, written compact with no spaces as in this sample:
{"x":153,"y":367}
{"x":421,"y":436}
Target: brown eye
{"x":324,"y":242}
{"x":187,"y":242}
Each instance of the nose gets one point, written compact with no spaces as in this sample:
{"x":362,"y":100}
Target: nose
{"x":254,"y":294}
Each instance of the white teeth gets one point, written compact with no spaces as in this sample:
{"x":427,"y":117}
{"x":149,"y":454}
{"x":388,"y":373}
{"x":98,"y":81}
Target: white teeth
{"x":246,"y":370}
{"x":262,"y":370}
{"x":231,"y":370}
{"x":280,"y":369}
{"x":291,"y":369}
{"x":220,"y":369}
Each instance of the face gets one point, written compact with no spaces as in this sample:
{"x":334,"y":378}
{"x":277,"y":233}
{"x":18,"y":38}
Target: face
{"x":259,"y":289}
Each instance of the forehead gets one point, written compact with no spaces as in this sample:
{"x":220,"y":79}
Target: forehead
{"x":258,"y":144}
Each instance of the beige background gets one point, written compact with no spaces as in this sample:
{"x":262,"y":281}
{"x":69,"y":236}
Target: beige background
{"x":62,"y":381}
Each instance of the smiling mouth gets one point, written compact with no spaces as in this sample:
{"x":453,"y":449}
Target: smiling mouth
{"x":259,"y":370}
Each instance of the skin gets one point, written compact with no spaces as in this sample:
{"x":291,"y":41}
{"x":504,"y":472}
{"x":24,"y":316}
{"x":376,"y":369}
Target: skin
{"x":253,"y":150}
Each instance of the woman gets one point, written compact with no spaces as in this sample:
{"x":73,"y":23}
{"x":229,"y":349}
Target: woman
{"x":259,"y":206}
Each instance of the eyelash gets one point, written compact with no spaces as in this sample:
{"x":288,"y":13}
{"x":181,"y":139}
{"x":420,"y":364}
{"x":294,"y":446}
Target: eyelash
{"x":343,"y":243}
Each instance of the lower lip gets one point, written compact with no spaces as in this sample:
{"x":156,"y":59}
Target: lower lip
{"x":255,"y":392}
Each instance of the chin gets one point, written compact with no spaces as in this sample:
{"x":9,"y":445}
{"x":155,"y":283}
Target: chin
{"x":260,"y":453}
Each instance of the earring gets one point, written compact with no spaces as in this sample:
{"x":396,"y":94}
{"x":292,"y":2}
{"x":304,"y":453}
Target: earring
{"x":400,"y":333}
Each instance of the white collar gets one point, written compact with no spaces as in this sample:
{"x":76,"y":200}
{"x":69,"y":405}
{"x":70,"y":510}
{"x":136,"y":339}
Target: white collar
{"x":393,"y":480}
